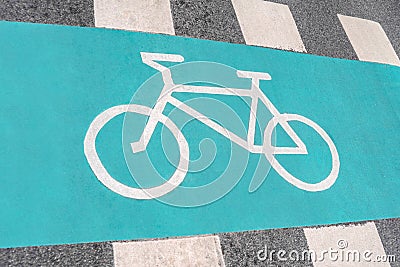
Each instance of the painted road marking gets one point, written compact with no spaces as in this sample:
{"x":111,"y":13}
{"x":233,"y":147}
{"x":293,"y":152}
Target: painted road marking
{"x":369,"y":40}
{"x":156,"y":115}
{"x":147,"y":16}
{"x":191,"y":251}
{"x":329,"y":86}
{"x":363,"y":241}
{"x":268,"y":24}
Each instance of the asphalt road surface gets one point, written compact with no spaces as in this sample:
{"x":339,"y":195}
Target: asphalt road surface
{"x":314,"y":28}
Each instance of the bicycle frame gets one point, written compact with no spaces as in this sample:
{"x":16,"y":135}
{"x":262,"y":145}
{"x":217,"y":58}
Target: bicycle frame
{"x":156,"y":116}
{"x":254,"y":93}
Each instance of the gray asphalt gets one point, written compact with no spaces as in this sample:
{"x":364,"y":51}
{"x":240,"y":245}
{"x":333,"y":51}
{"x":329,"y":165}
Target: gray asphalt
{"x":322,"y":34}
{"x":389,"y":232}
{"x":206,"y":19}
{"x":90,"y":254}
{"x":240,"y":249}
{"x":66,"y":12}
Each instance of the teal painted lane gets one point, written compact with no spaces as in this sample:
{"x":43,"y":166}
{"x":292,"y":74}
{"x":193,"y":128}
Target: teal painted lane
{"x":56,"y":80}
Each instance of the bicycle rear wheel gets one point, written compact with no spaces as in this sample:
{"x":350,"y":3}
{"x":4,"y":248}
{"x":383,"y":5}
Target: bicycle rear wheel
{"x":106,"y":179}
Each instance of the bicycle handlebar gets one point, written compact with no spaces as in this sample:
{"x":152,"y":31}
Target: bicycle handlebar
{"x":151,"y":58}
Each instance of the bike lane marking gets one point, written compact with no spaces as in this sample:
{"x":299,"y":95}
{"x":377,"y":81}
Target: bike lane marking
{"x":268,"y":24}
{"x":147,"y":16}
{"x":369,"y":40}
{"x":58,"y":198}
{"x":189,"y":251}
{"x":340,"y":240}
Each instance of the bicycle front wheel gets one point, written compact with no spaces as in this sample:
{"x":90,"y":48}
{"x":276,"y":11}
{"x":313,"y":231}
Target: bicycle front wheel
{"x":320,"y":186}
{"x":106,"y":179}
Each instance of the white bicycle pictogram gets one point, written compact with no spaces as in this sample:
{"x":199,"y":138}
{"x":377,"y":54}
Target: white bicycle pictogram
{"x":155,"y":116}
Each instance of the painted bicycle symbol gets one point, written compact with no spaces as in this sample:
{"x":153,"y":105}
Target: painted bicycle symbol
{"x":155,"y":116}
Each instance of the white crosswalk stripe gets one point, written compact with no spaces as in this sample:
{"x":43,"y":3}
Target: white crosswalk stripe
{"x":356,"y":245}
{"x":268,"y":24}
{"x":189,"y":251}
{"x":369,"y":40}
{"x":146,"y":16}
